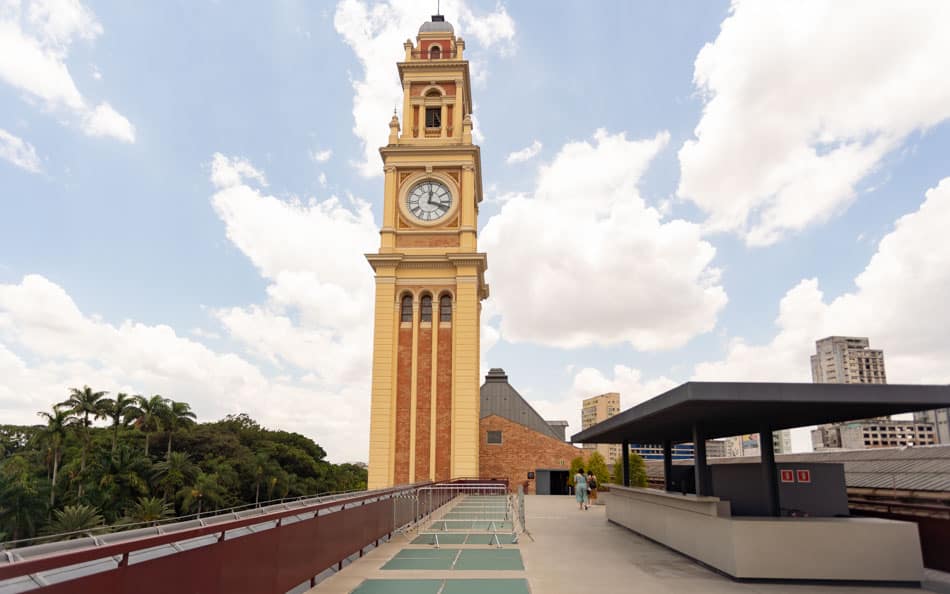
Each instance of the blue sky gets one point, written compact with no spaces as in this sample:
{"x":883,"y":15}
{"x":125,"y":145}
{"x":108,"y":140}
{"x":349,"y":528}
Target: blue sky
{"x":673,"y":191}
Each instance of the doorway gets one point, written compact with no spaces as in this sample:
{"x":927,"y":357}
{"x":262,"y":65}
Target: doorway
{"x":551,"y":482}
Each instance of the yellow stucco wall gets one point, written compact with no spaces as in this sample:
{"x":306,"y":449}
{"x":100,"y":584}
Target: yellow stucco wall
{"x":460,"y":269}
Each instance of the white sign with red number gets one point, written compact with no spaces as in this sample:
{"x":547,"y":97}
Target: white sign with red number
{"x":788,"y":476}
{"x":803,"y":476}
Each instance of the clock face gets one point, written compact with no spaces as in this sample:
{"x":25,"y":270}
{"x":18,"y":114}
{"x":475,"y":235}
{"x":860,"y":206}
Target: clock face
{"x":429,"y":200}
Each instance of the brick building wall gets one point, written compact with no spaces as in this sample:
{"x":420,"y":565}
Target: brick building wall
{"x":521,"y":451}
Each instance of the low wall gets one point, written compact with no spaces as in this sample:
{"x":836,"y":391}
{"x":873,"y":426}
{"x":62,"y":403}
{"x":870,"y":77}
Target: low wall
{"x":859,"y":549}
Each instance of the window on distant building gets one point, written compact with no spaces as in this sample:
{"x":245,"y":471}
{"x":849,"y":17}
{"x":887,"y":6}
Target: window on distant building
{"x":494,"y":437}
{"x":435,"y":52}
{"x":406,"y":314}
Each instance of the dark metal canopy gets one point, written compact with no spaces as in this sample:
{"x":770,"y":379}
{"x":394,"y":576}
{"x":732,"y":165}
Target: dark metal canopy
{"x":724,"y":409}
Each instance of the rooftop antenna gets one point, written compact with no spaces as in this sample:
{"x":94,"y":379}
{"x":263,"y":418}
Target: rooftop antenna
{"x":438,"y":6}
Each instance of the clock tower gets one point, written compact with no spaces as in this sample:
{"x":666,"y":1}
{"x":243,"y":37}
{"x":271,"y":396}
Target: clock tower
{"x":430,"y":277}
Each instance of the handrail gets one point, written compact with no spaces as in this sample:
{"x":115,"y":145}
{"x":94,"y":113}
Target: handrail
{"x":113,"y":528}
{"x":20,"y":567}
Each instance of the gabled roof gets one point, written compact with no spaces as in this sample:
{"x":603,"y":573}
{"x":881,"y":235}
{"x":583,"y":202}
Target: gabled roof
{"x":498,"y":397}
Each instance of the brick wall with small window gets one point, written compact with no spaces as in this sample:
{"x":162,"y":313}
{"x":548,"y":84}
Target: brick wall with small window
{"x":518,"y":451}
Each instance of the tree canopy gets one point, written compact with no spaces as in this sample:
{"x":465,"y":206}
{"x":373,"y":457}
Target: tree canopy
{"x":70,"y":473}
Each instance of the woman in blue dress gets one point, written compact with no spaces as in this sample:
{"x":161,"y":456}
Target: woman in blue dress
{"x":580,"y":488}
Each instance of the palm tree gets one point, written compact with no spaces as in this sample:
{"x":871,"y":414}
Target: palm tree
{"x":74,"y":518}
{"x":148,"y":414}
{"x":54,"y":434}
{"x":149,"y":510}
{"x":174,"y":472}
{"x":122,"y":478}
{"x":204,"y":492}
{"x":83,"y":404}
{"x":118,"y":410}
{"x":178,"y":415}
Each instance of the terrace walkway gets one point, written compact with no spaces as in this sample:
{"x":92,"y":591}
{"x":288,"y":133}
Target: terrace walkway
{"x":573,"y":551}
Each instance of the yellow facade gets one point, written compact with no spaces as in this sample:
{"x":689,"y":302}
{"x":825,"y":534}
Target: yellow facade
{"x":425,"y":387}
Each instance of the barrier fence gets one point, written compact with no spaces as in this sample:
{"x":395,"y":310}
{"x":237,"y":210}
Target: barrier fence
{"x":269,"y":551}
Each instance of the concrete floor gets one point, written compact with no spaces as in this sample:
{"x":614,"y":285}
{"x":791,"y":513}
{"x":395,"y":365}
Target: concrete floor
{"x":579,"y":551}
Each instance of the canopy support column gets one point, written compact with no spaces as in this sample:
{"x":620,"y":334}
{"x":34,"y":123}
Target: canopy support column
{"x":668,"y":465}
{"x":700,"y":468}
{"x":625,"y":461}
{"x":769,"y":471}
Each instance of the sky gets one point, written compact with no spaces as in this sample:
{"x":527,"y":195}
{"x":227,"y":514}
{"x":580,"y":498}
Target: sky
{"x":673,"y":191}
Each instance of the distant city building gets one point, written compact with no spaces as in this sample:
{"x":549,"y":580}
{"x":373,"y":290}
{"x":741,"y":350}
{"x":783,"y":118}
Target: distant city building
{"x":715,"y":448}
{"x":748,"y":445}
{"x":940,"y":419}
{"x":873,"y":433}
{"x":847,"y":360}
{"x":593,"y":411}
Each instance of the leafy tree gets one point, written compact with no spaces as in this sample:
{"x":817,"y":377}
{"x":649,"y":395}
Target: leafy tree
{"x":177,"y":416}
{"x":148,"y":414}
{"x":598,"y":466}
{"x":118,"y":410}
{"x":638,"y":471}
{"x":174,"y":472}
{"x":22,"y":498}
{"x":83,"y":404}
{"x":53,"y":436}
{"x":204,"y":493}
{"x":576,"y":465}
{"x":149,"y":510}
{"x":74,"y":518}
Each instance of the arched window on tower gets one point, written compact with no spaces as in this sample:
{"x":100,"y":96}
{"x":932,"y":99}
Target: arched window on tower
{"x":445,"y":308}
{"x":433,"y":111}
{"x":435,"y":52}
{"x":426,"y":308}
{"x":406,"y":310}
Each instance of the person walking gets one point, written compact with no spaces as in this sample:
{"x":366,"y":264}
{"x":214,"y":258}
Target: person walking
{"x":591,"y":488}
{"x":580,"y":489}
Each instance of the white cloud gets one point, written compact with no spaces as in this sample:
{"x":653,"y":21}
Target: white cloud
{"x":19,"y":152}
{"x":321,"y":156}
{"x":899,"y":302}
{"x":376,"y":33}
{"x":322,"y":178}
{"x":319,"y":306}
{"x":68,"y":348}
{"x":525,"y":154}
{"x":803,"y":100}
{"x":105,"y":121}
{"x":604,"y":267}
{"x":35,"y":40}
{"x":589,"y":382}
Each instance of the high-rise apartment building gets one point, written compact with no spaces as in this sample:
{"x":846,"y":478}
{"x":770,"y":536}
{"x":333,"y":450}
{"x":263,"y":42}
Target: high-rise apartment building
{"x":847,"y":360}
{"x":597,"y":409}
{"x":850,"y":360}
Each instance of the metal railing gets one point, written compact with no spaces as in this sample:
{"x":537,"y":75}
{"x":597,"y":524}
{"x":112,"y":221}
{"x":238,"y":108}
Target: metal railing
{"x":266,"y":550}
{"x":445,"y":55}
{"x":206,"y":516}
